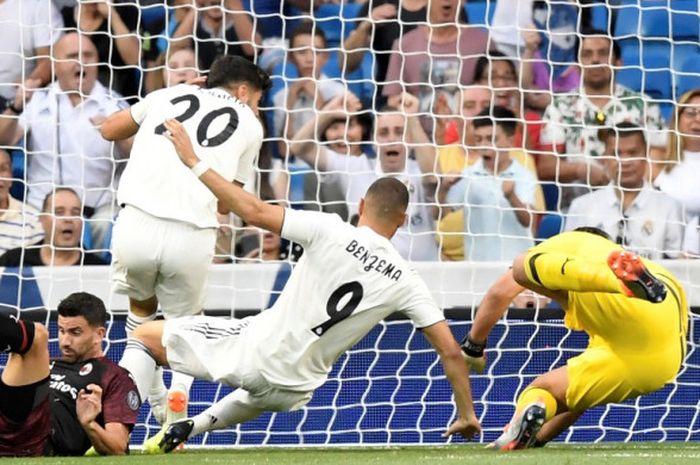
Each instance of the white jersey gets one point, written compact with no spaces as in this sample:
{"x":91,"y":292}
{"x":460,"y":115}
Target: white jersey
{"x":224,"y":131}
{"x":347,"y":281}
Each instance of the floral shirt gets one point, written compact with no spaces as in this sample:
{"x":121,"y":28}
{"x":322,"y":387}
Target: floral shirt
{"x":572,"y":119}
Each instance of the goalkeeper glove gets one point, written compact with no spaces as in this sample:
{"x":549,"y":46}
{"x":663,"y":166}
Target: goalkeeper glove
{"x":473,"y":353}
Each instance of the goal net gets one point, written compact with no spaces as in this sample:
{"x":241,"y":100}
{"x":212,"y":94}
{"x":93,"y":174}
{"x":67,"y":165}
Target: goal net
{"x":390,"y":388}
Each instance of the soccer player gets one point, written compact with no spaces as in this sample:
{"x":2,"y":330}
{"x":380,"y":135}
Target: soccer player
{"x":634,"y":311}
{"x":66,"y":406}
{"x":349,"y":279}
{"x":163,"y":240}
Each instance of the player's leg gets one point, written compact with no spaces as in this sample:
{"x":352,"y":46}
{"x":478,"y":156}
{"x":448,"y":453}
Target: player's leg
{"x":135,"y":256}
{"x":28,"y":344}
{"x":555,"y":427}
{"x":537,"y":404}
{"x":180,"y":288}
{"x":233,"y":409}
{"x":563,"y":272}
{"x":143,"y":354}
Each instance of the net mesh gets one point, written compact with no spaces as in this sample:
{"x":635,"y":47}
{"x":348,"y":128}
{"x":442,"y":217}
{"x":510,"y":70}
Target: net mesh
{"x":390,"y":388}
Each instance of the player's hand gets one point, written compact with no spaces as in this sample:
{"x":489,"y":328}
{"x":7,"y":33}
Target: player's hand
{"x":183,"y":145}
{"x":467,"y":427}
{"x":88,"y":404}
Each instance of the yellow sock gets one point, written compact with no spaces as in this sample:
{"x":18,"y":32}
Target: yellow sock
{"x":531,"y":395}
{"x":557,"y":271}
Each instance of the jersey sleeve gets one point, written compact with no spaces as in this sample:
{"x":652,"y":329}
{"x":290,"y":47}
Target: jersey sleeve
{"x":419,"y":305}
{"x":305,"y":227}
{"x":120,"y":398}
{"x":246,"y":164}
{"x":140,"y":109}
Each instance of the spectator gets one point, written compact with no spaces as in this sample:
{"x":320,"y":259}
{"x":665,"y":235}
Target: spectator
{"x":676,"y":174}
{"x":458,"y":134}
{"x":19,"y":223}
{"x":113,"y":31}
{"x":65,"y":147}
{"x":257,"y":245}
{"x":379,"y":28}
{"x":539,"y":73}
{"x":496,"y":71}
{"x":63,"y":229}
{"x":678,"y":177}
{"x":396,"y":127}
{"x":633,"y":213}
{"x":454,"y":159}
{"x":436,"y":57}
{"x":29,"y":28}
{"x":572,"y":121}
{"x":217,"y":32}
{"x":497,"y":193}
{"x":312,"y":89}
{"x":82,"y":402}
{"x":180,"y":67}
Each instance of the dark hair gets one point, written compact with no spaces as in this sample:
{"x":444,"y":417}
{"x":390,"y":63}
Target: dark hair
{"x":307,"y":28}
{"x":593,"y":230}
{"x":499,"y":116}
{"x":588,"y":31}
{"x":484,"y":62}
{"x":228,"y":70}
{"x":49,"y":196}
{"x":622,"y":129}
{"x":387,"y":196}
{"x":364,"y":119}
{"x":86,"y":305}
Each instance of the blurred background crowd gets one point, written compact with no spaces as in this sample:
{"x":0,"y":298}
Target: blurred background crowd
{"x":509,"y":120}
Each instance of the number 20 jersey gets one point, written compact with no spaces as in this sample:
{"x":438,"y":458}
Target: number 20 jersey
{"x":224,"y":131}
{"x":348,"y":280}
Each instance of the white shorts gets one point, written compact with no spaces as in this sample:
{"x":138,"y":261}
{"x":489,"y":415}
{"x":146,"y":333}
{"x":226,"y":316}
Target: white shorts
{"x":168,"y":259}
{"x":212,"y":349}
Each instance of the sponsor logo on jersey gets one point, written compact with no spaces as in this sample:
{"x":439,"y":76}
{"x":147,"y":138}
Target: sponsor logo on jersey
{"x":58,"y":384}
{"x":86,"y":369}
{"x":373,"y":262}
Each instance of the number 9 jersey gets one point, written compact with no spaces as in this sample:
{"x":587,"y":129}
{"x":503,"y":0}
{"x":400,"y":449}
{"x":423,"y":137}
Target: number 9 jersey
{"x":223,"y":130}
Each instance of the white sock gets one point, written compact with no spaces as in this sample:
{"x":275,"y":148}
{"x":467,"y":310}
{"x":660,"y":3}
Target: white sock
{"x":158,"y":389}
{"x":134,"y":321}
{"x":182,"y":382}
{"x":233,"y":409}
{"x":139,"y":361}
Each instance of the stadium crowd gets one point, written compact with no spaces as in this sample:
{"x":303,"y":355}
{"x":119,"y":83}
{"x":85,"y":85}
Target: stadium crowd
{"x":499,"y":132}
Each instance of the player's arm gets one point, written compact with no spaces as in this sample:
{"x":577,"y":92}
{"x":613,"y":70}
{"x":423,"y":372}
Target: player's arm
{"x":248,"y":207}
{"x":113,"y":439}
{"x":495,"y":303}
{"x":119,"y":125}
{"x":440,"y":337}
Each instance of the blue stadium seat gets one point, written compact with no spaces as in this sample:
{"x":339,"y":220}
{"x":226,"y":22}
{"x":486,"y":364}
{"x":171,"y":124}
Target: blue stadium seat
{"x":480,"y":12}
{"x":336,"y":21}
{"x":688,"y":75}
{"x":645,"y":18}
{"x":685,"y":22}
{"x":551,"y":224}
{"x":87,"y":235}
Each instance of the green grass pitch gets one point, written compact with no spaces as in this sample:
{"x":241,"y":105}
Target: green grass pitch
{"x":635,"y":453}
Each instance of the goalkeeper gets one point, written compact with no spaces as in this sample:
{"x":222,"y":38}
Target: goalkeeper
{"x":634,"y":311}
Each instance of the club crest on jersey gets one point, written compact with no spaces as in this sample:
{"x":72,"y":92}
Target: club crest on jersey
{"x":132,"y":400}
{"x":86,"y":369}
